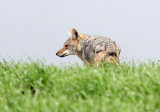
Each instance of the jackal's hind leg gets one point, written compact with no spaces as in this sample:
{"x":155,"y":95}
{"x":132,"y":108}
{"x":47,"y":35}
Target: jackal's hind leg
{"x":104,"y":56}
{"x":100,"y":57}
{"x":112,"y":59}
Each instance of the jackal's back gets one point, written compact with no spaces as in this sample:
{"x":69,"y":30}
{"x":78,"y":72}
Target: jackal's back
{"x":92,"y":45}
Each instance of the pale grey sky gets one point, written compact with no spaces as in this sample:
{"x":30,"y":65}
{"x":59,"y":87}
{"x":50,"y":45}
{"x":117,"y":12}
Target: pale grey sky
{"x":38,"y":28}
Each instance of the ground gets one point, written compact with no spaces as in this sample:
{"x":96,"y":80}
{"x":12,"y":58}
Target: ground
{"x":38,"y":87}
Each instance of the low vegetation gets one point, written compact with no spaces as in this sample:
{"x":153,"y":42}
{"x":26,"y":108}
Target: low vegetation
{"x":38,"y":87}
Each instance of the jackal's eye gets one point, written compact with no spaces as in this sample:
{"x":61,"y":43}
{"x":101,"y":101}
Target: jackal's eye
{"x":66,"y":45}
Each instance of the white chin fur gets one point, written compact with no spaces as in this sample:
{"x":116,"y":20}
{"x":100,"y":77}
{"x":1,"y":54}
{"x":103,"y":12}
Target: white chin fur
{"x":66,"y":52}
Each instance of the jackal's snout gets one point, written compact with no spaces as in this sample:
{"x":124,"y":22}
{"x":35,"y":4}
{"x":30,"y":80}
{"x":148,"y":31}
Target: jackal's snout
{"x":60,"y":55}
{"x":63,"y":52}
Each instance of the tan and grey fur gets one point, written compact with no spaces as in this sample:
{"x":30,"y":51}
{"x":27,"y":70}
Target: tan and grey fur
{"x":90,"y":49}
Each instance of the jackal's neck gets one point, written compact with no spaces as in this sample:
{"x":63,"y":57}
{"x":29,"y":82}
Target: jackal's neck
{"x":81,"y":40}
{"x":80,"y":43}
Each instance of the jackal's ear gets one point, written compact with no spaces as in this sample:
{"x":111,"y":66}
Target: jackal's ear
{"x":70,"y":32}
{"x":75,"y":34}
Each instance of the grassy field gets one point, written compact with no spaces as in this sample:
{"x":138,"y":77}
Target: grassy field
{"x":37,"y":87}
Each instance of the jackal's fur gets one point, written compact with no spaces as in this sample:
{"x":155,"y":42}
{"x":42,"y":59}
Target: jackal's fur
{"x":90,"y":49}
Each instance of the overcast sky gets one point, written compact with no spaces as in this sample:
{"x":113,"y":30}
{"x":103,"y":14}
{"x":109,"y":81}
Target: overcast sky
{"x":38,"y":28}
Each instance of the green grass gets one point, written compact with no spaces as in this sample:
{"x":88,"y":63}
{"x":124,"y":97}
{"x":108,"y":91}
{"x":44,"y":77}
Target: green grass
{"x":37,"y":87}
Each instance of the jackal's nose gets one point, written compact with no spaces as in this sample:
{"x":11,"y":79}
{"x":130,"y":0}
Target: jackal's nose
{"x":57,"y":53}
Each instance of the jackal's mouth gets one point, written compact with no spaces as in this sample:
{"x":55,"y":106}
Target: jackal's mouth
{"x":63,"y":55}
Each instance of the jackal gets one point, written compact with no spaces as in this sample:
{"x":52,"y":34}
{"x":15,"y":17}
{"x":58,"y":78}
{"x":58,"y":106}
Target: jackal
{"x":90,"y":49}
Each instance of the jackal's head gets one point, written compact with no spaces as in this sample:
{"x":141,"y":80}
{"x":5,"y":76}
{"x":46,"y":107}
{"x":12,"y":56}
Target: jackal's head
{"x":70,"y":46}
